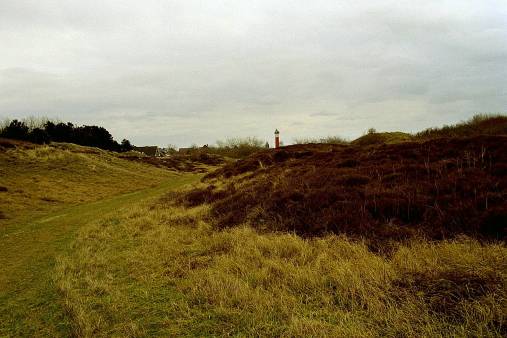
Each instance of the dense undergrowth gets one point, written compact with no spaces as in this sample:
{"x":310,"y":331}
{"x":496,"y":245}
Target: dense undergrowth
{"x":435,"y":189}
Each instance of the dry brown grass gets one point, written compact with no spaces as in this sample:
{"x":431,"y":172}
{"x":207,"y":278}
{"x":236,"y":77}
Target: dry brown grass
{"x":161,"y":270}
{"x":35,"y":178}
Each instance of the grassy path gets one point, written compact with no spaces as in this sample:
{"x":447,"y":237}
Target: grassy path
{"x":29,"y":303}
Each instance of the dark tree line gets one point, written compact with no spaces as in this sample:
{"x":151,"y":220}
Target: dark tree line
{"x":92,"y":136}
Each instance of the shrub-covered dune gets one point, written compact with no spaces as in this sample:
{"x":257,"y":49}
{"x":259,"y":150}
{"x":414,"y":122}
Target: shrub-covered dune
{"x":437,"y":189}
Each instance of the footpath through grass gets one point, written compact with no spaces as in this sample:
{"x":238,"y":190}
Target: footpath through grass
{"x":29,"y":302}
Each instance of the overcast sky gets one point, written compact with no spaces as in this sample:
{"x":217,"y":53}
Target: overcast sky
{"x":182,"y":72}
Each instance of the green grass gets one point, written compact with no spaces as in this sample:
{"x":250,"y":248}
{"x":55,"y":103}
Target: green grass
{"x":30,"y":303}
{"x":50,"y":192}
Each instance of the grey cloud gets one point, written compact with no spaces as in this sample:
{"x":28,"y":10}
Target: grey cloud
{"x":193,"y":71}
{"x":322,"y":113}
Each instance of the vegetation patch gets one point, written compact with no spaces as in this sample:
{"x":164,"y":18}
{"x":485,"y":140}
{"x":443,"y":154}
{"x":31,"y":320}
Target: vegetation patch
{"x":237,"y":147}
{"x":478,"y":125}
{"x":158,"y":269}
{"x":372,"y":137}
{"x":436,"y":189}
{"x":44,"y":131}
{"x":328,"y":140}
{"x":446,"y":293}
{"x":44,"y":177}
{"x":195,"y":161}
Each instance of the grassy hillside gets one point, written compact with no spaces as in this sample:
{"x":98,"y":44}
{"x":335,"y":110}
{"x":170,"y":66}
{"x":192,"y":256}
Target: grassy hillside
{"x":35,"y":178}
{"x":162,"y":270}
{"x":225,"y":259}
{"x":46,"y":194}
{"x":387,"y":137}
{"x":30,"y":303}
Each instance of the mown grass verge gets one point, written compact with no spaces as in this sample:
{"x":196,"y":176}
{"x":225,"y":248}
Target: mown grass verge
{"x":160,"y":270}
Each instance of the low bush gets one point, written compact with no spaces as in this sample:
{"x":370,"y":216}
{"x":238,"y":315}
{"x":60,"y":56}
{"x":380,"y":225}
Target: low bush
{"x":326,"y":140}
{"x":237,"y":147}
{"x":17,"y":130}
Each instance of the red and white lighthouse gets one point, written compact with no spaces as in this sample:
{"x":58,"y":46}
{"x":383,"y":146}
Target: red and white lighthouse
{"x":277,"y":139}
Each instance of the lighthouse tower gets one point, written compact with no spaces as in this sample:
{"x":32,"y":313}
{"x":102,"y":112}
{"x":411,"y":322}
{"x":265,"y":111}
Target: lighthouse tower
{"x":277,"y":139}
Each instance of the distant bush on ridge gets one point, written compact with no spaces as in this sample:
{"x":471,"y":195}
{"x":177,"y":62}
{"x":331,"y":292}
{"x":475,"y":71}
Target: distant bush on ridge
{"x":237,"y":147}
{"x":46,"y":131}
{"x":327,"y":140}
{"x":481,"y":124}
